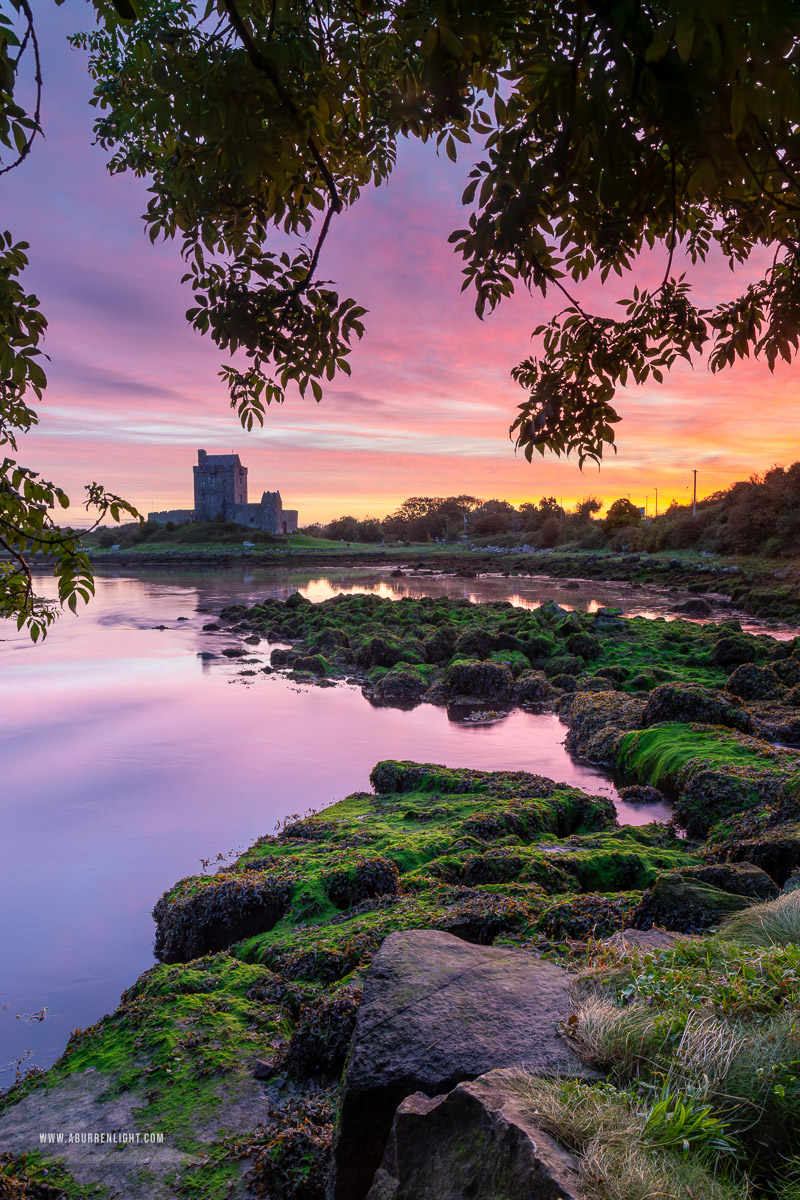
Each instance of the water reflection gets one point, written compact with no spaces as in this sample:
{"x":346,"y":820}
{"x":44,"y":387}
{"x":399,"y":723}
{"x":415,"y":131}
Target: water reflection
{"x":127,"y":758}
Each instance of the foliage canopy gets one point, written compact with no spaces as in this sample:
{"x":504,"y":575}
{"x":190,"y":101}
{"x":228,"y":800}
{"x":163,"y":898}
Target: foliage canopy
{"x":607,"y":127}
{"x":26,"y":500}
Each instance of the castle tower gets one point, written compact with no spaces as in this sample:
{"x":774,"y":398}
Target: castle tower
{"x":220,"y":483}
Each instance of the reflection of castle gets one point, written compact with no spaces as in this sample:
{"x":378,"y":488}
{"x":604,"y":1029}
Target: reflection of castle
{"x":220,"y":491}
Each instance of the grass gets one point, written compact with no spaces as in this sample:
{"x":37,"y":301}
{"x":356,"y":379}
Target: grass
{"x":615,"y":1142}
{"x":767,"y":925}
{"x":713,"y":1022}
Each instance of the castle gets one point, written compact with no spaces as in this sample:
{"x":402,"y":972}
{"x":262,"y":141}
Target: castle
{"x":220,"y":492}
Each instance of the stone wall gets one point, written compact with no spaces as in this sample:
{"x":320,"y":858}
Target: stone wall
{"x":178,"y":515}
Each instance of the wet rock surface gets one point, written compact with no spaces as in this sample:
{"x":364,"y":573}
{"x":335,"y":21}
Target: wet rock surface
{"x":437,"y":1011}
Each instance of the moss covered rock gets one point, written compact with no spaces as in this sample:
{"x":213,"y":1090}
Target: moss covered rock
{"x":608,"y":713}
{"x":401,"y":684}
{"x":742,"y":879}
{"x":362,"y":880}
{"x":322,"y":1034}
{"x":585,"y":645}
{"x":751,"y":682}
{"x":735,"y":649}
{"x":592,"y":915}
{"x":686,"y":702}
{"x":531,"y":687}
{"x":685,"y":905}
{"x":480,"y":680}
{"x":204,"y":914}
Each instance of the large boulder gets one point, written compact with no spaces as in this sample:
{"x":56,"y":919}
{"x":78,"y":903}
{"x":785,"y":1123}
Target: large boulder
{"x":476,"y":1141}
{"x":692,"y":704}
{"x":436,"y":1011}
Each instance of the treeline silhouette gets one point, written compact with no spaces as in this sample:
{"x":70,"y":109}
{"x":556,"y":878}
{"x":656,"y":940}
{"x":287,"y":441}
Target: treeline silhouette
{"x":759,"y":515}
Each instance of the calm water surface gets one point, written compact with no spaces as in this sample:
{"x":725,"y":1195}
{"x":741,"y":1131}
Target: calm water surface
{"x":126,"y":759}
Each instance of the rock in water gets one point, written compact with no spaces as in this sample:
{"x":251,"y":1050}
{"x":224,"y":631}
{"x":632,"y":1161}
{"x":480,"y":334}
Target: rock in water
{"x":438,"y":1011}
{"x":477,"y":1141}
{"x":696,"y":607}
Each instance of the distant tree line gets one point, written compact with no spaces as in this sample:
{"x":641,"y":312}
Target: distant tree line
{"x":760,"y":515}
{"x":451,"y":518}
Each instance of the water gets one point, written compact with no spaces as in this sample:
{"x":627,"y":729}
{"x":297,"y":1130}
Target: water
{"x":126,"y":759}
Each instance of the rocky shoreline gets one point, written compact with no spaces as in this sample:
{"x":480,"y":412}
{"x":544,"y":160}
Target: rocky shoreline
{"x":765,"y":590}
{"x":309,"y":1033}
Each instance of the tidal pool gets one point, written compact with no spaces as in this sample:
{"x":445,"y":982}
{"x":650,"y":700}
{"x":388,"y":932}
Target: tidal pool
{"x":127,"y":759}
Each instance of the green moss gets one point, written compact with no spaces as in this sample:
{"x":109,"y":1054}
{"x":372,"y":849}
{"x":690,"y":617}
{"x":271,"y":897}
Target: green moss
{"x":182,"y":1038}
{"x":466,"y":851}
{"x":660,"y":755}
{"x":38,"y":1176}
{"x":513,"y":659}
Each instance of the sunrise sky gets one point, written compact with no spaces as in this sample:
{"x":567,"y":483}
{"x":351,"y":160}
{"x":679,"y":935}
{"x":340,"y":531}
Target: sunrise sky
{"x":133,"y":392}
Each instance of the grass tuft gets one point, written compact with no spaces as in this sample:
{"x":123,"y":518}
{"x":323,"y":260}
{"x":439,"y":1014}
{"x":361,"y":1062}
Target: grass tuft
{"x":612,"y":1138}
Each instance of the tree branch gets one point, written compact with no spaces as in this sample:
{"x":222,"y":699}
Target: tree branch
{"x":261,"y":64}
{"x":37,"y":126}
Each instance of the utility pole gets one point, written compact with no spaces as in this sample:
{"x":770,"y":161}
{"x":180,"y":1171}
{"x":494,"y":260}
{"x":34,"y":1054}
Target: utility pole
{"x":694,"y":494}
{"x":656,"y":501}
{"x":646,"y":499}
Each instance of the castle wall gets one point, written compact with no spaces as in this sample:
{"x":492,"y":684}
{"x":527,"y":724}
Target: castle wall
{"x":178,"y":515}
{"x":251,"y":514}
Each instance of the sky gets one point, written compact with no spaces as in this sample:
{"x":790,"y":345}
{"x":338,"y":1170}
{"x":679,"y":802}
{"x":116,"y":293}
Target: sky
{"x":133,"y":392}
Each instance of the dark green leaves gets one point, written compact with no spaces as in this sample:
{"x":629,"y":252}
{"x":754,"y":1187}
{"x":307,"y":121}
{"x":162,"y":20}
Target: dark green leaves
{"x":607,"y":130}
